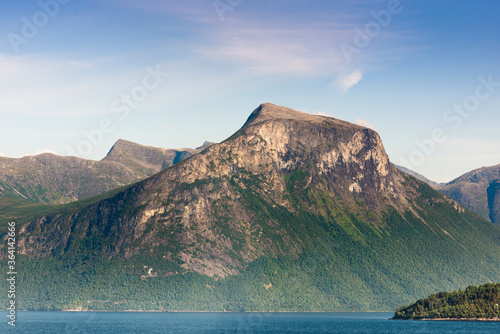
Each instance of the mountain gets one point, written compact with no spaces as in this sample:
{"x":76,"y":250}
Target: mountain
{"x":475,"y":303}
{"x":49,"y":178}
{"x":477,"y":191}
{"x":418,"y":176}
{"x":148,"y":160}
{"x":293,"y":212}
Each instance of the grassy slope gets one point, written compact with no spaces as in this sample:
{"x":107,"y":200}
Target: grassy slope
{"x":19,"y":211}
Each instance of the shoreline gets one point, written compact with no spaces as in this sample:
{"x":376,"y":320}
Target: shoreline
{"x":496,"y":319}
{"x":190,"y":311}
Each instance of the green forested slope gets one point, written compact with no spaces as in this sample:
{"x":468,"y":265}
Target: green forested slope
{"x":347,"y":265}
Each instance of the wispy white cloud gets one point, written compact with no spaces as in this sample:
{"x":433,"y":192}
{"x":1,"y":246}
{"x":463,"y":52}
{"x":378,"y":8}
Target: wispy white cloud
{"x":364,"y":123}
{"x":283,"y":45}
{"x":52,"y":86}
{"x":47,"y":150}
{"x":346,"y":82}
{"x":193,"y":10}
{"x":273,"y":50}
{"x":322,"y":113}
{"x":318,"y":112}
{"x":264,"y":43}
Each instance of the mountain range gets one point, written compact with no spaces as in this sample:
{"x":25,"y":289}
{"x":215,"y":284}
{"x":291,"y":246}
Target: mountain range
{"x":294,"y":212}
{"x":477,"y":190}
{"x":52,"y":179}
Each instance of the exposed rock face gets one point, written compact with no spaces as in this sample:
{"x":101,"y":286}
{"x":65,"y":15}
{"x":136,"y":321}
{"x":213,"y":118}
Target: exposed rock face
{"x":471,"y":190}
{"x":212,"y":212}
{"x":48,"y":178}
{"x":350,"y":157}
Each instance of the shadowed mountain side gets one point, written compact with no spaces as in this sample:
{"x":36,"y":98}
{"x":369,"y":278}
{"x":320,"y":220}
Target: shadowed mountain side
{"x":494,"y":201}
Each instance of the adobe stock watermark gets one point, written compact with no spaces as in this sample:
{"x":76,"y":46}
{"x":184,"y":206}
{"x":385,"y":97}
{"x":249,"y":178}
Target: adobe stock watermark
{"x":223,"y":6}
{"x":121,"y":107}
{"x":454,"y":118}
{"x":31,"y":26}
{"x":372,"y":29}
{"x":11,"y":273}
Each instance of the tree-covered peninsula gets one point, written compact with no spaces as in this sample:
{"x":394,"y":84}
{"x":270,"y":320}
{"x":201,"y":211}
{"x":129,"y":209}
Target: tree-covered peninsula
{"x":475,"y":303}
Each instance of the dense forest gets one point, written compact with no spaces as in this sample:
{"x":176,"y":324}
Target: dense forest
{"x":476,"y":302}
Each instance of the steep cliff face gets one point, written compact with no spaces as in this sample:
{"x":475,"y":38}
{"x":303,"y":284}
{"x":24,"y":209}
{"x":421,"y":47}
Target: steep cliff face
{"x":212,"y":212}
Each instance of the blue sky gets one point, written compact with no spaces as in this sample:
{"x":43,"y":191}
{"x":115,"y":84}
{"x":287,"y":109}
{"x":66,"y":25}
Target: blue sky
{"x":78,"y":75}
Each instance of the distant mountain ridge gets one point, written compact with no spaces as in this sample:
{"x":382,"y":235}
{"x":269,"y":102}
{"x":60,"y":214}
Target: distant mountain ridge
{"x":477,"y":190}
{"x":418,"y":176}
{"x":146,"y":159}
{"x":49,"y":178}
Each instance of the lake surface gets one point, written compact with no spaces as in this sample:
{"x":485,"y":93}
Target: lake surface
{"x":212,"y":323}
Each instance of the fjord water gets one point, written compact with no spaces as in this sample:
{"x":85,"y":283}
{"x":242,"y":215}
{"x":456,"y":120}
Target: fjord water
{"x":221,"y":323}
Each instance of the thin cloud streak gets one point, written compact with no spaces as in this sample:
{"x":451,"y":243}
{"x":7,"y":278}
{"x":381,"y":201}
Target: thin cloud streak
{"x":47,"y":150}
{"x":60,"y":87}
{"x":365,"y":123}
{"x":346,"y":82}
{"x":275,"y":51}
{"x":263,"y":43}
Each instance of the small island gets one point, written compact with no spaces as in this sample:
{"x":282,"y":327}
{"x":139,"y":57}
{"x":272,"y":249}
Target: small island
{"x":476,"y":303}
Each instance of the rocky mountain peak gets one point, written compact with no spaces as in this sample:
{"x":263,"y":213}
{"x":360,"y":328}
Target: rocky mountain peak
{"x":324,"y":147}
{"x":272,"y":112}
{"x":291,"y":148}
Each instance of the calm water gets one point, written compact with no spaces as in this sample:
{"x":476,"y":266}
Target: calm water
{"x":122,"y":323}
